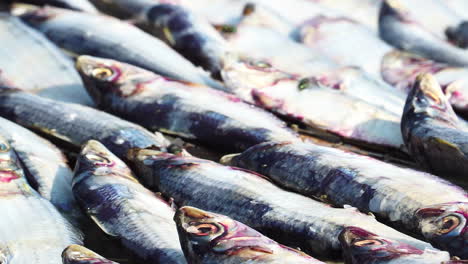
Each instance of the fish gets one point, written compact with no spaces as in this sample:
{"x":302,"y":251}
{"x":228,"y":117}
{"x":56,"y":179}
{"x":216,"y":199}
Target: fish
{"x":75,"y":124}
{"x":78,"y":5}
{"x":29,"y":221}
{"x":344,"y":101}
{"x":76,"y":254}
{"x":432,"y":131}
{"x":46,"y":168}
{"x":191,"y":111}
{"x":325,"y":35}
{"x":104,"y":36}
{"x":363,"y":247}
{"x":54,"y":75}
{"x":123,"y":208}
{"x":289,"y":218}
{"x":459,"y":6}
{"x":400,"y":70}
{"x":398,"y":195}
{"x":207,"y":237}
{"x":404,"y":30}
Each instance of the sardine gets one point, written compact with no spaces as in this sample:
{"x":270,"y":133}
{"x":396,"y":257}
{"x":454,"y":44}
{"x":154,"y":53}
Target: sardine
{"x":432,"y":132}
{"x":331,"y":37}
{"x":79,"y":5}
{"x":402,"y":28}
{"x":400,"y":69}
{"x":363,"y":247}
{"x":53,"y":76}
{"x":289,"y":218}
{"x":75,"y":124}
{"x":190,"y":111}
{"x":46,"y":167}
{"x":76,"y":254}
{"x":123,"y":208}
{"x":396,"y":194}
{"x":99,"y":35}
{"x":344,"y":101}
{"x":32,"y":231}
{"x":211,"y":238}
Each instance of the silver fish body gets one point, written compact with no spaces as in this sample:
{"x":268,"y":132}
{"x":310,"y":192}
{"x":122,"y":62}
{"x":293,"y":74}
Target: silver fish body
{"x":53,"y":76}
{"x":398,"y":27}
{"x":211,"y":238}
{"x":191,"y":111}
{"x":32,"y":231}
{"x":47,"y":167}
{"x":363,"y":247}
{"x":432,"y":132}
{"x":289,"y":218}
{"x":76,"y":254}
{"x":76,"y":124}
{"x":390,"y":192}
{"x":104,"y":36}
{"x":123,"y":208}
{"x":325,"y":100}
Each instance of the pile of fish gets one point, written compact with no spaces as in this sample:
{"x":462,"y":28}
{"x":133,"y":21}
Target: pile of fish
{"x":233,"y":131}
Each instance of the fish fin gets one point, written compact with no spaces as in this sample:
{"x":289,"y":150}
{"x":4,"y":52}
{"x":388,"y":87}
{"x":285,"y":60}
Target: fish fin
{"x":227,"y":159}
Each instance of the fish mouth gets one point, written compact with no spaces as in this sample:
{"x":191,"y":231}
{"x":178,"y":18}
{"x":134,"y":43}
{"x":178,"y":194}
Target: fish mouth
{"x":430,"y":88}
{"x":74,"y":253}
{"x":351,"y":234}
{"x":445,"y":225}
{"x":188,"y":214}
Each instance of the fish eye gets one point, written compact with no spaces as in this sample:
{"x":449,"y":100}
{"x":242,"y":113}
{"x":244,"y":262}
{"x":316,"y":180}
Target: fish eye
{"x":98,"y":159}
{"x":4,"y":147}
{"x":204,"y":229}
{"x":227,"y":29}
{"x":262,"y":64}
{"x":102,"y":73}
{"x":303,"y":84}
{"x":368,"y":242}
{"x":248,"y":9}
{"x":449,"y":223}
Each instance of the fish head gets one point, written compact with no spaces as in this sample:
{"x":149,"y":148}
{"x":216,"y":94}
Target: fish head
{"x":427,"y":99}
{"x":75,"y":254}
{"x":445,"y":226}
{"x":245,"y":74}
{"x":361,"y":246}
{"x":104,"y":77}
{"x":96,"y":160}
{"x":203,"y":232}
{"x":10,"y":167}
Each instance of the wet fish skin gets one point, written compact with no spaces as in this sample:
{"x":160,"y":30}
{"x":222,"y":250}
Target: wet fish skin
{"x":76,"y":124}
{"x":46,"y":166}
{"x":400,"y":69}
{"x":29,"y":220}
{"x":76,"y":254}
{"x":229,"y":241}
{"x":432,"y":132}
{"x":188,"y":34}
{"x":394,"y":193}
{"x":54,"y":75}
{"x":79,"y":5}
{"x":311,"y":100}
{"x":104,"y":36}
{"x":289,"y":218}
{"x":363,"y":247}
{"x":398,"y":29}
{"x":123,"y":208}
{"x":190,"y":111}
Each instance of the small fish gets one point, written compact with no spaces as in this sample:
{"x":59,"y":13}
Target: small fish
{"x":400,"y":26}
{"x":190,"y":111}
{"x":123,"y":208}
{"x":32,"y":231}
{"x":76,"y":254}
{"x":75,"y":124}
{"x":247,"y":197}
{"x":344,"y":101}
{"x":46,"y":167}
{"x":99,"y":35}
{"x":396,"y":194}
{"x":211,"y":238}
{"x":23,"y":48}
{"x":79,"y":5}
{"x":432,"y":132}
{"x":325,"y":35}
{"x":363,"y":247}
